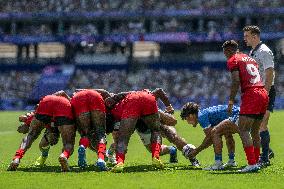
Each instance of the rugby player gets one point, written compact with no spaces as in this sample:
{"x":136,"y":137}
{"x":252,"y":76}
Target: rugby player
{"x":90,"y":113}
{"x":133,"y":106}
{"x":55,"y":107}
{"x":50,"y":137}
{"x":264,"y":58}
{"x":254,"y":100}
{"x":215,"y":123}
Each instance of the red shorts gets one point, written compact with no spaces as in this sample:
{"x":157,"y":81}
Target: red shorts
{"x":86,"y":101}
{"x":139,"y":104}
{"x":254,"y":101}
{"x":55,"y":106}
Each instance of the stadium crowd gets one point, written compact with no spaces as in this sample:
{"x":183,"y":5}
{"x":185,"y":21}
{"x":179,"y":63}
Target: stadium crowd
{"x":98,"y":5}
{"x":181,"y":85}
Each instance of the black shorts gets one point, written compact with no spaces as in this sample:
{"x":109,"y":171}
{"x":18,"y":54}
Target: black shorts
{"x":58,"y":121}
{"x":254,"y":116}
{"x":272,"y":94}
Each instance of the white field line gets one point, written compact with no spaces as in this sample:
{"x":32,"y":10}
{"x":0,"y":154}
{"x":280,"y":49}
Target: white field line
{"x":7,"y":132}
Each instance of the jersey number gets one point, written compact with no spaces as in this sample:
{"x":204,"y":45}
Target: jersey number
{"x":253,"y":71}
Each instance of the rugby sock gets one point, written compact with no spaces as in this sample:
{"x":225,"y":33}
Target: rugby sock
{"x":120,"y":157}
{"x":66,"y":153}
{"x":84,"y":141}
{"x":19,"y":154}
{"x":256,"y":153}
{"x":231,"y":156}
{"x":218,"y":157}
{"x":265,"y":140}
{"x":44,"y":151}
{"x":249,"y":150}
{"x":156,"y":148}
{"x":101,"y":150}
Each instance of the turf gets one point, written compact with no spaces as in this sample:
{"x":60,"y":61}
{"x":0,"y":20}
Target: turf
{"x":139,"y":172}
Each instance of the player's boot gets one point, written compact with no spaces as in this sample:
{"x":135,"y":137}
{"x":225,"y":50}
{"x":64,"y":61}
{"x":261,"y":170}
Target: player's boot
{"x":101,"y":164}
{"x":271,"y":154}
{"x":157,"y":163}
{"x":230,"y":164}
{"x":217,"y":166}
{"x":118,"y":168}
{"x":82,"y":163}
{"x":64,"y":163}
{"x":40,"y":161}
{"x":173,"y":154}
{"x":249,"y":169}
{"x":14,"y":165}
{"x":194,"y":162}
{"x":262,"y":164}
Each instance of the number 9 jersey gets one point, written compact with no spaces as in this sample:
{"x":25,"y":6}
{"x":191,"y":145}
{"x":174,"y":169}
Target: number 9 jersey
{"x":254,"y":99}
{"x":248,"y":69}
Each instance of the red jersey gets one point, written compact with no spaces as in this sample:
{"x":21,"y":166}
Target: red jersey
{"x":248,"y":71}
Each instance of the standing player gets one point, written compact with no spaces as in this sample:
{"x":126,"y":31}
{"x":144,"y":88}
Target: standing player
{"x":254,"y":100}
{"x":55,"y":107}
{"x":215,"y":122}
{"x":264,"y":57}
{"x":90,"y":112}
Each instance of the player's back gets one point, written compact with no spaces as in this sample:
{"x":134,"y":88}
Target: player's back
{"x":212,"y":116}
{"x":248,"y":71}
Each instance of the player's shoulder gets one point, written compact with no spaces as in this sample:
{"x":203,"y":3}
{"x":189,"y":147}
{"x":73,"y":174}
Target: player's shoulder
{"x":264,"y":49}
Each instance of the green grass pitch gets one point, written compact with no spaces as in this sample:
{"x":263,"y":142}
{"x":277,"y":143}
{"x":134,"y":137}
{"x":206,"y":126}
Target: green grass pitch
{"x":138,"y":172}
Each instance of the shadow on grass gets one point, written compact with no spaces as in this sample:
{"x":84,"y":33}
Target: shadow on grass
{"x":57,"y":169}
{"x":151,"y":168}
{"x":231,"y":171}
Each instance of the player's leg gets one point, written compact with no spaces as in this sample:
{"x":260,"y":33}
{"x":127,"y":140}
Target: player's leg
{"x":245,"y":126}
{"x":98,"y":120}
{"x":68,"y":132}
{"x":34,"y":131}
{"x":110,"y":153}
{"x":226,"y":128}
{"x":265,"y":137}
{"x":153,"y":122}
{"x":126,"y":129}
{"x":83,"y":123}
{"x":230,"y":143}
{"x":44,"y":148}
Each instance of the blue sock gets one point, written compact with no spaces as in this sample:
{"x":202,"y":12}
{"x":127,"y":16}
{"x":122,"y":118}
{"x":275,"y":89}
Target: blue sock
{"x":231,"y":156}
{"x":44,"y":151}
{"x":265,"y":140}
{"x":218,"y":157}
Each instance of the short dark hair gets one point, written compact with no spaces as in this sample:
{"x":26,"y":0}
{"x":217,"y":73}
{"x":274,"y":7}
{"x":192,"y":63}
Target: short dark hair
{"x":232,"y":44}
{"x":253,"y":29}
{"x":189,"y":108}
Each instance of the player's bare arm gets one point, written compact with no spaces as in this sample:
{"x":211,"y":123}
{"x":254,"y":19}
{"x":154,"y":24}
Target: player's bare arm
{"x":62,"y":93}
{"x":167,"y":119}
{"x":160,"y":93}
{"x":234,"y":89}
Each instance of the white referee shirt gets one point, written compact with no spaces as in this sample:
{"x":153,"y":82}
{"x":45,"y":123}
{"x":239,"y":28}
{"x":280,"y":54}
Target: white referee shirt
{"x":265,"y":59}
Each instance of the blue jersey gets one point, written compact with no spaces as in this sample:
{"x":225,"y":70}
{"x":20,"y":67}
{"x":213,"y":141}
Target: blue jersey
{"x":212,"y":116}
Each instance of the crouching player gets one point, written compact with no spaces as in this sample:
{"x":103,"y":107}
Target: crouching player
{"x":50,"y":137}
{"x":215,"y":122}
{"x":52,"y":107}
{"x":168,"y":131}
{"x":90,"y":113}
{"x":134,"y":106}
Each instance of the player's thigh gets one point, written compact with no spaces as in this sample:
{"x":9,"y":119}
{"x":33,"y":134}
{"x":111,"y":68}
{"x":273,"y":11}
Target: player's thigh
{"x":83,"y":122}
{"x":127,"y":127}
{"x":245,"y":122}
{"x":152,"y":121}
{"x":98,"y":118}
{"x":226,"y":127}
{"x":264,"y":123}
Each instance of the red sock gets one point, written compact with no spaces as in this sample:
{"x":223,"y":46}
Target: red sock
{"x":120,"y":157}
{"x":156,"y":148}
{"x":250,"y":155}
{"x":85,"y":142}
{"x":101,"y":150}
{"x":19,"y":154}
{"x":256,"y":153}
{"x":66,"y":153}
